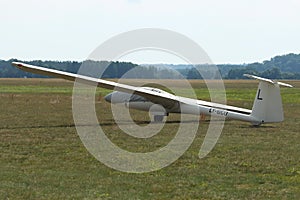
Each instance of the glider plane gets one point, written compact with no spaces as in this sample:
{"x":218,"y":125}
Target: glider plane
{"x":267,"y":106}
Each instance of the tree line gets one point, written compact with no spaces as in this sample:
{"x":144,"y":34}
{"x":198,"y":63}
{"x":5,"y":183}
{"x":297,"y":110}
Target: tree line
{"x":279,"y":67}
{"x":97,"y":69}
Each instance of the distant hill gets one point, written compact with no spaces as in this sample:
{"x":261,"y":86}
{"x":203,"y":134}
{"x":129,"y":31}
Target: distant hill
{"x":279,"y":67}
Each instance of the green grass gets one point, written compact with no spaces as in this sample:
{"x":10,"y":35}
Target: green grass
{"x":42,"y":157}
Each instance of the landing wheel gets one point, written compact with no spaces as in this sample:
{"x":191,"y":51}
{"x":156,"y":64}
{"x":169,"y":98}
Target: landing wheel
{"x":158,"y":118}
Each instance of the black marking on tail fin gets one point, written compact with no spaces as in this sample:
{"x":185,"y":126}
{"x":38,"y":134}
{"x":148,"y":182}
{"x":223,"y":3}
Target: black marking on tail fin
{"x":258,"y":95}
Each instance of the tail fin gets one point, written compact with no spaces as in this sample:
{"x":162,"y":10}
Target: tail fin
{"x":267,"y":105}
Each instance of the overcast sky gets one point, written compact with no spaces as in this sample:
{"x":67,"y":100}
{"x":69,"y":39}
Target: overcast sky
{"x":230,"y":31}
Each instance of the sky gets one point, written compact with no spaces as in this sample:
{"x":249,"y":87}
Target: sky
{"x":230,"y":31}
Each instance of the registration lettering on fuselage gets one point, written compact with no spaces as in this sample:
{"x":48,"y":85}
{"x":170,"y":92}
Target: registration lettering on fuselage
{"x":218,"y":112}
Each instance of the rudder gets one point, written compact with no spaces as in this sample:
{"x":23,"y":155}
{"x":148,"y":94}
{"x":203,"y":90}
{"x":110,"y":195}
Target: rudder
{"x":267,"y":105}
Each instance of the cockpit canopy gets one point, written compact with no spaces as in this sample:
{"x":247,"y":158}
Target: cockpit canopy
{"x":123,"y":97}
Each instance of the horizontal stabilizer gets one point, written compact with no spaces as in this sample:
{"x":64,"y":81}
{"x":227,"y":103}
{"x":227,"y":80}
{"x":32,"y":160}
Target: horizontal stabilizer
{"x":268,"y":80}
{"x":284,"y":84}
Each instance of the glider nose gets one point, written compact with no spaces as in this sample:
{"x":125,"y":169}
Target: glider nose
{"x":117,"y":97}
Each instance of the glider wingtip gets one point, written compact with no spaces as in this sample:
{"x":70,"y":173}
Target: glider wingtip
{"x":17,"y":64}
{"x":248,"y":75}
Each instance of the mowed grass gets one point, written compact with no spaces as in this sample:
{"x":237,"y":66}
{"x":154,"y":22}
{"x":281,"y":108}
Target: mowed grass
{"x":42,"y":157}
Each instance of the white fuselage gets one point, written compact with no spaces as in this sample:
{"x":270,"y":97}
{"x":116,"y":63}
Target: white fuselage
{"x":186,"y":106}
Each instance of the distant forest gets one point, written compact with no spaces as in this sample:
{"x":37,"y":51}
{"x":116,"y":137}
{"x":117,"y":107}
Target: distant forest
{"x":279,"y":67}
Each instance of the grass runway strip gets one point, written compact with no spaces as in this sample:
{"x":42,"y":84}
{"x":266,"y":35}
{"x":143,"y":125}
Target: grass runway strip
{"x":42,"y":157}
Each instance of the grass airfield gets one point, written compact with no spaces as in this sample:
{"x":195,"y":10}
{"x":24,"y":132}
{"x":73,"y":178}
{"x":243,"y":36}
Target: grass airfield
{"x":42,"y":156}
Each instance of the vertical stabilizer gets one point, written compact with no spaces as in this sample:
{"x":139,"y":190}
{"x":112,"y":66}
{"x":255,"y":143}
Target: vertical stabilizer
{"x":267,"y":105}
